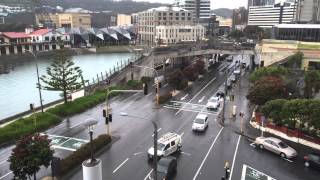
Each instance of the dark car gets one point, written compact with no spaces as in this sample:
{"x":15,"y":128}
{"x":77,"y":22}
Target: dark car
{"x":312,"y":160}
{"x":167,"y":168}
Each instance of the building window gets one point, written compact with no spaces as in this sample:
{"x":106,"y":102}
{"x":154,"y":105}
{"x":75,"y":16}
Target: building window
{"x":189,"y":14}
{"x":177,"y":14}
{"x":164,"y":18}
{"x":164,"y":14}
{"x":189,"y":18}
{"x":182,"y":18}
{"x":171,"y":14}
{"x":183,"y":14}
{"x":177,"y":18}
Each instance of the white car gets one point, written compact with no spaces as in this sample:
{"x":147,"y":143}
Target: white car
{"x":200,"y":123}
{"x":167,"y":144}
{"x":213,"y":103}
{"x":275,"y":145}
{"x":237,"y":71}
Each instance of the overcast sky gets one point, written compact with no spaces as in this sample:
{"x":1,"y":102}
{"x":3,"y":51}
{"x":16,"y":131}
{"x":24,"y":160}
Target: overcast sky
{"x":231,"y":4}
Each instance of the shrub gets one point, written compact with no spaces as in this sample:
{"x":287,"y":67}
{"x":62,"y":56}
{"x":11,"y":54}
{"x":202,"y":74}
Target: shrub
{"x":134,"y":84}
{"x":77,"y":157}
{"x":175,"y":79}
{"x":25,"y":126}
{"x":199,"y":66}
{"x":182,"y":84}
{"x":190,"y":73}
{"x":268,"y":71}
{"x":164,"y":98}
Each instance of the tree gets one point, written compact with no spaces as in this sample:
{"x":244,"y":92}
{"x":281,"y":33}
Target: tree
{"x":190,"y":73}
{"x":266,"y":89}
{"x":312,"y":83}
{"x":177,"y":80}
{"x":31,"y":152}
{"x":62,"y":75}
{"x":268,"y":71}
{"x":199,"y":66}
{"x":295,"y":61}
{"x":273,"y":109}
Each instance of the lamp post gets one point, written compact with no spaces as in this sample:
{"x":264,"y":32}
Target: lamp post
{"x":38,"y":78}
{"x":92,"y":168}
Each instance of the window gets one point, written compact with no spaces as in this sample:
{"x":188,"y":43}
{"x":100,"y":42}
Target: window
{"x":177,"y":18}
{"x":183,"y":14}
{"x":171,"y":14}
{"x":177,"y":14}
{"x":167,"y":147}
{"x":173,"y":143}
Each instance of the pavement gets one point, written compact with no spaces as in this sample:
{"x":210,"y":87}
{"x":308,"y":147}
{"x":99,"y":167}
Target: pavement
{"x":203,"y":155}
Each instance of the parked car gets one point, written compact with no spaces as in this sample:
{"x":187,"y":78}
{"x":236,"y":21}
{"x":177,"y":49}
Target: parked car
{"x":200,"y":123}
{"x":213,"y":103}
{"x":236,"y":71}
{"x":276,"y":146}
{"x":233,"y":78}
{"x":312,"y":160}
{"x":166,"y":169}
{"x":168,"y":144}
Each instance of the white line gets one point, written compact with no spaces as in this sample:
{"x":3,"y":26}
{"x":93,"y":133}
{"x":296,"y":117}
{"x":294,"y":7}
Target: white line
{"x":214,"y":141}
{"x":234,"y":157}
{"x":199,"y":92}
{"x":157,"y":131}
{"x":120,"y":166}
{"x":165,"y":85}
{"x":184,"y":97}
{"x":188,"y":154}
{"x":182,"y":109}
{"x":149,"y":94}
{"x":200,"y":100}
{"x":148,"y":175}
{"x":253,"y":145}
{"x":137,"y":153}
{"x":76,"y":125}
{"x":2,"y":162}
{"x":5,"y":175}
{"x":182,"y":134}
{"x":288,"y":160}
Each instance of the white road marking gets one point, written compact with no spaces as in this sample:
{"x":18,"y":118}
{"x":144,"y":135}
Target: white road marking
{"x":253,"y":145}
{"x":148,"y":175}
{"x":165,"y":85}
{"x":214,"y":141}
{"x":184,"y":97}
{"x":288,"y":160}
{"x":120,"y":166}
{"x":199,"y":92}
{"x":234,"y":157}
{"x":157,"y":131}
{"x":137,"y":153}
{"x":200,"y":100}
{"x":76,"y":125}
{"x":196,"y":111}
{"x":188,"y":154}
{"x":149,"y":94}
{"x":2,"y":162}
{"x":5,"y":175}
{"x":182,"y":134}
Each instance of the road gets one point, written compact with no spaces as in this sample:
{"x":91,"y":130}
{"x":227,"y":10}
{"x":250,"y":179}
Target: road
{"x":203,"y":154}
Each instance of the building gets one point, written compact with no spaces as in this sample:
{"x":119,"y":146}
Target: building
{"x":123,"y":20}
{"x":103,"y":19}
{"x":69,"y":20}
{"x":224,"y":21}
{"x":297,"y":32}
{"x":199,"y":8}
{"x":48,"y":36}
{"x":239,"y":17}
{"x":308,"y":11}
{"x":260,"y":2}
{"x":177,"y":34}
{"x":268,"y":16}
{"x":162,"y":16}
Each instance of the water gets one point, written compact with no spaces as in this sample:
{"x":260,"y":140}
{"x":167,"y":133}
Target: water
{"x":18,"y":86}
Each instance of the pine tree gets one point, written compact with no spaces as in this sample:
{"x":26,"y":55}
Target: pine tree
{"x":62,"y":75}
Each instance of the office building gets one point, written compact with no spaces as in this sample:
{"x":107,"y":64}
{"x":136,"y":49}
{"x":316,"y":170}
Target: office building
{"x":239,"y":17}
{"x":308,"y":11}
{"x":68,"y":20}
{"x":298,"y":32}
{"x":123,"y":20}
{"x":199,"y":8}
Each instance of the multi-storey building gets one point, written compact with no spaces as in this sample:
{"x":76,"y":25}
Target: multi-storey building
{"x":308,"y":11}
{"x":162,"y":16}
{"x":199,"y":8}
{"x":69,"y":20}
{"x":123,"y":20}
{"x":239,"y":17}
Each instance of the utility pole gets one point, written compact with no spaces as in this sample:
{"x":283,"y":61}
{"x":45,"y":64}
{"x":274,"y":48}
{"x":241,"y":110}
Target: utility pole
{"x":155,"y":150}
{"x":224,"y":98}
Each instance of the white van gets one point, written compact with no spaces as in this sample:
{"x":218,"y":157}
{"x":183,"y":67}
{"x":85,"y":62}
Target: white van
{"x":167,"y":144}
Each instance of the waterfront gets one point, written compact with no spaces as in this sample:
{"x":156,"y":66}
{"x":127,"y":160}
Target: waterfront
{"x":18,"y":83}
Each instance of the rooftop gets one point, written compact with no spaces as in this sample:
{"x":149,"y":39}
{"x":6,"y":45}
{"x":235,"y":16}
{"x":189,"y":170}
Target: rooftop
{"x":299,"y":26}
{"x":40,"y":32}
{"x":16,"y":35}
{"x":166,"y":8}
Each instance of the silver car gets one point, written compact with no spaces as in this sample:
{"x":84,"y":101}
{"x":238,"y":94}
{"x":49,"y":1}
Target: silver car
{"x":276,"y":145}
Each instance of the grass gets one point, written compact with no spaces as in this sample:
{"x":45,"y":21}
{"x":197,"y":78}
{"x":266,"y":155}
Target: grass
{"x":53,"y":116}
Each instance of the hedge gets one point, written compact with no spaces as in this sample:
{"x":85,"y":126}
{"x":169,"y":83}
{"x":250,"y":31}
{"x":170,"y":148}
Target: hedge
{"x":76,"y":158}
{"x":24,"y":126}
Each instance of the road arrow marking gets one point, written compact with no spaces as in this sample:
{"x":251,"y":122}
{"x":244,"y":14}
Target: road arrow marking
{"x":184,"y":97}
{"x":200,"y":100}
{"x":253,"y":145}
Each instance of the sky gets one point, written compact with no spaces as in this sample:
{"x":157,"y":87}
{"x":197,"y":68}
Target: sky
{"x":215,"y":4}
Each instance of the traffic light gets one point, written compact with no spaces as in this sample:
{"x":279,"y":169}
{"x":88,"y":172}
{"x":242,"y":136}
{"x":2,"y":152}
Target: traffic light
{"x":110,"y":117}
{"x":106,"y":120}
{"x":31,"y":107}
{"x":159,"y":84}
{"x":104,"y":113}
{"x":131,"y":64}
{"x":145,"y":88}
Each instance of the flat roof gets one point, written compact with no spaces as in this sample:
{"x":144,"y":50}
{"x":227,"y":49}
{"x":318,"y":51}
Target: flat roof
{"x":298,"y":26}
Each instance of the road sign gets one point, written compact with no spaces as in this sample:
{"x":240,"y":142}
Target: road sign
{"x":249,"y":173}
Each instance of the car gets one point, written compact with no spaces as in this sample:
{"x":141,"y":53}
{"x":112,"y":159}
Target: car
{"x":200,"y":123}
{"x":166,"y":168}
{"x":276,"y":146}
{"x":229,"y":58}
{"x":233,"y":78}
{"x":236,"y":71}
{"x":213,"y":103}
{"x":228,"y":83}
{"x":312,"y":160}
{"x":168,"y":144}
{"x":220,"y":92}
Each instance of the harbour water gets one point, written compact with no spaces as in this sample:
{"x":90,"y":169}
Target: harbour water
{"x":18,"y":79}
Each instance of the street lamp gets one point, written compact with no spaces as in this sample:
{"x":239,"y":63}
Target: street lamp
{"x":38,"y":85}
{"x":155,"y":142}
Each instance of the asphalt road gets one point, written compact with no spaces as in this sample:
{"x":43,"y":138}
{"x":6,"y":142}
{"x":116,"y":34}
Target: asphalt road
{"x":203,"y":154}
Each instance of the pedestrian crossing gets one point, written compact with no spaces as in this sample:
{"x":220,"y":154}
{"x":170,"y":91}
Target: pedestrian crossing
{"x":191,"y":107}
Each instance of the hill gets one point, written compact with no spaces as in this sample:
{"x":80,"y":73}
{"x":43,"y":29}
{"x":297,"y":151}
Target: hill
{"x":224,"y":12}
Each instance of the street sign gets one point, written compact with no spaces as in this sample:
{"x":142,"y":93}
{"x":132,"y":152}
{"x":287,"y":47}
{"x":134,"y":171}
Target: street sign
{"x":249,"y":173}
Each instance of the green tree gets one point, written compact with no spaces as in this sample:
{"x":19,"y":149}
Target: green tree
{"x":190,"y":73}
{"x":273,"y":109}
{"x":266,"y":89}
{"x":312,"y":83}
{"x":295,"y":61}
{"x":199,"y":66}
{"x":62,"y":75}
{"x":31,"y":152}
{"x":268,"y":71}
{"x":177,"y":80}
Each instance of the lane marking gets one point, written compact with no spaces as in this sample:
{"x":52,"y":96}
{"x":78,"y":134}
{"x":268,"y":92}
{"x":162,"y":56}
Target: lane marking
{"x":148,"y":175}
{"x":165,"y":85}
{"x":196,"y":111}
{"x":137,"y":153}
{"x":5,"y":175}
{"x":149,"y":94}
{"x":76,"y":125}
{"x":157,"y":131}
{"x":253,"y":145}
{"x":182,"y":134}
{"x":287,"y":160}
{"x":184,"y":97}
{"x":188,"y":154}
{"x":120,"y":166}
{"x":2,"y":162}
{"x":199,"y":92}
{"x":202,"y":163}
{"x":234,"y":157}
{"x":200,"y":100}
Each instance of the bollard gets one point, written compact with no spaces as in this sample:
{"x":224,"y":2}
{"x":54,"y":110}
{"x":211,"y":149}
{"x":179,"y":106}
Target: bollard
{"x":92,"y":170}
